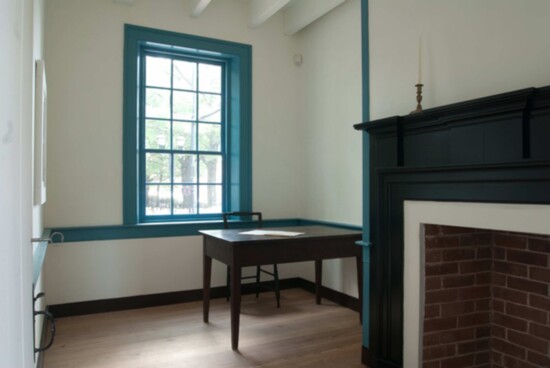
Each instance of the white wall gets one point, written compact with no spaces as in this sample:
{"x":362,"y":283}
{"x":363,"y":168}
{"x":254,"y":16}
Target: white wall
{"x":84,"y":52}
{"x":471,"y":49}
{"x":330,"y":95}
{"x":20,"y":38}
{"x":84,"y":56}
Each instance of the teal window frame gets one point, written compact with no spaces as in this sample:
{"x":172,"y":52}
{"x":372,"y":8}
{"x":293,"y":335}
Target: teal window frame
{"x":237,"y":59}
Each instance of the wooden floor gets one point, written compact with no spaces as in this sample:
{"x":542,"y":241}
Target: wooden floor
{"x":299,"y":334}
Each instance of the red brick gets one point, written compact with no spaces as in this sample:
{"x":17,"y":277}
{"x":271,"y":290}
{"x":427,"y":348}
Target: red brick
{"x":540,"y":331}
{"x":499,"y":253}
{"x":475,"y":266}
{"x":442,"y":242}
{"x":473,"y":346}
{"x":456,"y":308}
{"x":456,"y":335}
{"x":508,"y":348}
{"x":460,"y":254}
{"x":498,"y":306}
{"x":540,"y":302}
{"x":458,"y":280}
{"x":510,"y":241}
{"x":441,"y":296}
{"x":511,"y":362}
{"x":528,"y":341}
{"x":499,"y":279}
{"x":498,"y":331}
{"x":433,"y":255}
{"x":527,"y":285}
{"x":430,"y":230}
{"x":510,"y":268}
{"x":439,"y":324}
{"x":458,"y":362}
{"x":483,"y":252}
{"x":483,"y":331}
{"x":540,"y":274}
{"x":483,"y":305}
{"x":510,"y":295}
{"x":538,"y":359}
{"x":434,"y":352}
{"x":433,"y":283}
{"x":431,"y":311}
{"x":476,"y":239}
{"x":539,"y":245}
{"x":441,"y":269}
{"x":474,"y":319}
{"x":431,"y":339}
{"x":524,"y":312}
{"x":483,"y":278}
{"x":474,"y":292}
{"x":509,"y":322}
{"x":497,"y":358}
{"x":526,"y":257}
{"x":482,"y":358}
{"x":433,"y":364}
{"x":457,"y":230}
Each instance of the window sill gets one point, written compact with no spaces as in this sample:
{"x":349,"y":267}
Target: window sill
{"x":173,"y":229}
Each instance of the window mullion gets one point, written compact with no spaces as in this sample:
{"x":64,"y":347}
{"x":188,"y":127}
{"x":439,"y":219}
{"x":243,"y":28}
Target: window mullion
{"x":197,"y":133}
{"x":171,"y":136}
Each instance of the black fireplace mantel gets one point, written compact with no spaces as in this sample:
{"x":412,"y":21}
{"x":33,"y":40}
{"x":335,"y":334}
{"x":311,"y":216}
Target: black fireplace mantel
{"x":494,"y":149}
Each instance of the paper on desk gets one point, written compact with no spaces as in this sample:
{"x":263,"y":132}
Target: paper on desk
{"x":270,"y":232}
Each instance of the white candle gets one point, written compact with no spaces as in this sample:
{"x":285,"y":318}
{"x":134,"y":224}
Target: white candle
{"x":419,"y":59}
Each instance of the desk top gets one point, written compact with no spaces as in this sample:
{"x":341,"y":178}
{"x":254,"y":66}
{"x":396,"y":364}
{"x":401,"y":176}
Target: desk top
{"x":317,"y":232}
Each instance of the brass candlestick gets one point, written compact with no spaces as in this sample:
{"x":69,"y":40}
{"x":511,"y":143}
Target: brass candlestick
{"x":418,"y":98}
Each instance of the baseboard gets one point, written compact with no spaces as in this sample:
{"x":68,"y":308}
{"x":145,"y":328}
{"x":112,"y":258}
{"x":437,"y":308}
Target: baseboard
{"x":154,"y":300}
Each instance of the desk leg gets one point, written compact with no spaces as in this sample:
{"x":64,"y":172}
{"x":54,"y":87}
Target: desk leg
{"x":360,"y":286}
{"x":235,"y":305}
{"x":318,"y":280}
{"x":206,"y":274}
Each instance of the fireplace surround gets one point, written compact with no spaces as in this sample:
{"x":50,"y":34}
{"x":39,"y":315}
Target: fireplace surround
{"x":493,"y":150}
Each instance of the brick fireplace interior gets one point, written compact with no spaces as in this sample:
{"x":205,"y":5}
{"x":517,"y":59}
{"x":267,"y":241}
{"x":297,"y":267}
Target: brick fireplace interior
{"x":487,"y":298}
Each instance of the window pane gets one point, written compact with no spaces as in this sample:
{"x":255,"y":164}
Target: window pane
{"x":185,"y":168}
{"x":210,"y":198}
{"x":185,"y":75}
{"x":157,"y":168}
{"x":184,"y":135}
{"x":185,"y":199}
{"x":210,"y":170}
{"x":157,"y":104}
{"x":157,"y":72}
{"x":185,"y":105}
{"x":210,"y":107}
{"x":210,"y":137}
{"x":158,"y":200}
{"x":210,"y":78}
{"x":157,"y":134}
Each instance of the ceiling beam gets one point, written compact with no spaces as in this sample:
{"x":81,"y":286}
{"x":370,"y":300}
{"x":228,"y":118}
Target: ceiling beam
{"x":304,"y":12}
{"x":198,"y":6}
{"x":262,"y":10}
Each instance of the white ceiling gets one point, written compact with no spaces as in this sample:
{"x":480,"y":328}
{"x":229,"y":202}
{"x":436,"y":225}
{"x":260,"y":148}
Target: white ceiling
{"x":297,"y":14}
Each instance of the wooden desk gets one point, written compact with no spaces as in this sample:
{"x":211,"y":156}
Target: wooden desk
{"x":237,"y":251}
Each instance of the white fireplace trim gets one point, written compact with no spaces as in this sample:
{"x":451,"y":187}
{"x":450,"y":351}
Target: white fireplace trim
{"x":524,"y":218}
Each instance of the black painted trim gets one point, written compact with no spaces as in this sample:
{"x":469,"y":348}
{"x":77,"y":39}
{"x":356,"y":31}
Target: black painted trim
{"x":154,"y":300}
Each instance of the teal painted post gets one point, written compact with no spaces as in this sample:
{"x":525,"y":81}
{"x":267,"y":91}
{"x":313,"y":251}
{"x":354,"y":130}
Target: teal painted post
{"x":366,"y":163}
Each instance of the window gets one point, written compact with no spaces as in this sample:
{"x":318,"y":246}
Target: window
{"x":187,"y":138}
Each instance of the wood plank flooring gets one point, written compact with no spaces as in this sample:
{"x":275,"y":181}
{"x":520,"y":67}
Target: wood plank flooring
{"x":299,"y":334}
